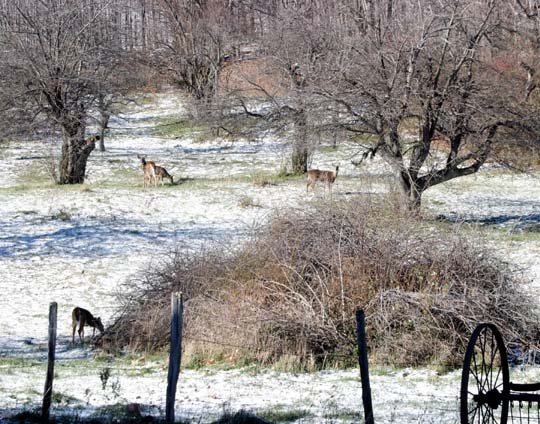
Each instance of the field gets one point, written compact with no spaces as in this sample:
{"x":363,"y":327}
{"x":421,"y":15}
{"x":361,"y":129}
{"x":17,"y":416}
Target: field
{"x":76,"y":245}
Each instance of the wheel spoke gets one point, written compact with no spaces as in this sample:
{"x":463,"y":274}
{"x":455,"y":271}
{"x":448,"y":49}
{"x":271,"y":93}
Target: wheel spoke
{"x":484,"y":365}
{"x":491,"y":360}
{"x":491,"y":414}
{"x":497,"y":378}
{"x":475,"y":374}
{"x":483,"y":414}
{"x":473,"y":411}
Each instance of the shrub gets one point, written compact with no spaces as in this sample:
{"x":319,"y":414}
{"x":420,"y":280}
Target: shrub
{"x":292,"y":289}
{"x":247,"y":202}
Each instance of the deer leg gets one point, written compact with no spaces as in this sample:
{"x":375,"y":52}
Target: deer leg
{"x":81,"y":334}
{"x":74,"y":327}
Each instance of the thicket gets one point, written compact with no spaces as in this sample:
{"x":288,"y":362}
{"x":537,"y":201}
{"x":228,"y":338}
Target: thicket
{"x":289,"y":293}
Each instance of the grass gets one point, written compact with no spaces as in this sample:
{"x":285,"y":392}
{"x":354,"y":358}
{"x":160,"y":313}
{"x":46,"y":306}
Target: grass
{"x":382,"y":371}
{"x":62,"y":215}
{"x":520,"y":236}
{"x":328,"y":149}
{"x":349,"y":416}
{"x":248,"y":202}
{"x":13,"y":365}
{"x":280,"y":415}
{"x":61,"y":398}
{"x":195,"y":359}
{"x":176,"y":127}
{"x":9,"y":362}
{"x":126,"y":175}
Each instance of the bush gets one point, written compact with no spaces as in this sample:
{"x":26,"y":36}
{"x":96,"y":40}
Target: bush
{"x":292,"y":289}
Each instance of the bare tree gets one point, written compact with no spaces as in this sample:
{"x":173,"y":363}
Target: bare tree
{"x":278,"y":82}
{"x":54,"y":57}
{"x":426,"y":75}
{"x":193,"y":54}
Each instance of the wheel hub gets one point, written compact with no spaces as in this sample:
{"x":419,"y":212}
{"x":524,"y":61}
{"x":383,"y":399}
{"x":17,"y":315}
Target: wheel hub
{"x":493,"y":398}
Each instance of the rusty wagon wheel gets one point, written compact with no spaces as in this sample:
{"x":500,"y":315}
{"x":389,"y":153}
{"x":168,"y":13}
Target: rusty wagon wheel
{"x":485,"y":379}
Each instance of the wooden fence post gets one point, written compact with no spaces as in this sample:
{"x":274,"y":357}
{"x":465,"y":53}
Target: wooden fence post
{"x":363,"y":362}
{"x":175,"y":354}
{"x":47,"y":394}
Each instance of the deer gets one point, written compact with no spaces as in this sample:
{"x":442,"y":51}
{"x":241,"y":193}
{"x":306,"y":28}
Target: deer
{"x":149,"y":170}
{"x":162,"y":173}
{"x":315,"y":175}
{"x":82,"y":317}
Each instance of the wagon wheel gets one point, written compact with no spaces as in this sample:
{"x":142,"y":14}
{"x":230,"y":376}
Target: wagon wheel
{"x":485,"y":379}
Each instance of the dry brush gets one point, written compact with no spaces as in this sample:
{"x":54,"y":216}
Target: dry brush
{"x":291,"y":291}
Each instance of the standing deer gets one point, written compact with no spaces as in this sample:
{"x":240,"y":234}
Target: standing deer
{"x":162,"y":173}
{"x":149,"y":170}
{"x":82,"y":317}
{"x":315,"y":175}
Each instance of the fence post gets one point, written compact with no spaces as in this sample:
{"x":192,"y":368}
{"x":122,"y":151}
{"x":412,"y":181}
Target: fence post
{"x":363,"y":362}
{"x":175,"y":354}
{"x":47,"y":394}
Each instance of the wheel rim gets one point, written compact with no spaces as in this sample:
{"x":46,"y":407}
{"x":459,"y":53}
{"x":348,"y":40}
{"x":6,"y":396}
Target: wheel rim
{"x":485,"y":380}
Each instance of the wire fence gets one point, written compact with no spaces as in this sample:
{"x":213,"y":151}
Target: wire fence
{"x":319,"y":390}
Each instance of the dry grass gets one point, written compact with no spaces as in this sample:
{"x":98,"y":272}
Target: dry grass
{"x":253,"y":78}
{"x":291,"y":292}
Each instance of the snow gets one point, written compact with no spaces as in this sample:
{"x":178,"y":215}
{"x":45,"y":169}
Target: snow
{"x":399,"y":396}
{"x":76,"y":245}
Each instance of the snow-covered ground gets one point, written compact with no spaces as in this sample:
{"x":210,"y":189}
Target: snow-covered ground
{"x":75,"y":245}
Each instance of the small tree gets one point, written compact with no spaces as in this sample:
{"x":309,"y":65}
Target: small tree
{"x":277,"y":86}
{"x":193,"y":55}
{"x":55,"y":55}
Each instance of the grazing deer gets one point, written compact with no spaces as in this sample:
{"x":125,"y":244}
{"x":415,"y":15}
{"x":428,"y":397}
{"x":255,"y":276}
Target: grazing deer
{"x":315,"y":175}
{"x":149,"y":170}
{"x":82,"y":317}
{"x":162,"y":173}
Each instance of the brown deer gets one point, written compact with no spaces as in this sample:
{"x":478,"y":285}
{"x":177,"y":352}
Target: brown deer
{"x":82,"y":317}
{"x":149,"y":170}
{"x":162,"y":173}
{"x":315,"y":175}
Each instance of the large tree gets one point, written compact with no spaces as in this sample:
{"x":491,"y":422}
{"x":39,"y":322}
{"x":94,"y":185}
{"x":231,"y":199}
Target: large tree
{"x":436,"y":88}
{"x":56,"y":58}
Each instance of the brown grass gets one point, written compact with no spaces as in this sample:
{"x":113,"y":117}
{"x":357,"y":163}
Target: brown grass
{"x":291,"y":292}
{"x":259,"y":77}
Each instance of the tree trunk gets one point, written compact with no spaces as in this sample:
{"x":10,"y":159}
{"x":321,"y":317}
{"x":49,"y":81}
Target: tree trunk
{"x":301,"y":153}
{"x":300,"y":158}
{"x":414,"y":199}
{"x":411,"y":192}
{"x":75,"y":153}
{"x":101,"y":140}
{"x":103,"y":125}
